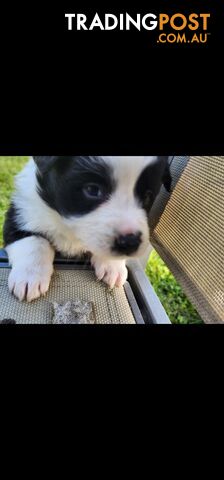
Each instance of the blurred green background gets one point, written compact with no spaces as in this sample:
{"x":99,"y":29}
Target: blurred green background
{"x":176,"y":304}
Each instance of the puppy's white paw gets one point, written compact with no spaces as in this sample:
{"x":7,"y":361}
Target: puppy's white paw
{"x":32,"y":266}
{"x":112,"y":272}
{"x":29,"y":284}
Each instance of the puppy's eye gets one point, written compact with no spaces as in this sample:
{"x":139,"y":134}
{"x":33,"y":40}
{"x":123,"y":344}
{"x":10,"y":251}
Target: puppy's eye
{"x":148,"y":198}
{"x":148,"y":195}
{"x":94,"y":191}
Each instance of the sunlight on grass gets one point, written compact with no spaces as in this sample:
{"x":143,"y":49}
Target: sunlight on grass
{"x":171,"y":295}
{"x":9,"y":167}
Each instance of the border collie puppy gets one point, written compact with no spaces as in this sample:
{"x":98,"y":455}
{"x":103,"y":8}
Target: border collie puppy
{"x":73,"y":205}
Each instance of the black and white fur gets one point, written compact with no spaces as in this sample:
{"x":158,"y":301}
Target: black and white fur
{"x":80,"y":204}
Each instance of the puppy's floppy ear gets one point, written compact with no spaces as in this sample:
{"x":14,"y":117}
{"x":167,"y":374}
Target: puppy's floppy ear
{"x":45,"y":163}
{"x":167,"y":178}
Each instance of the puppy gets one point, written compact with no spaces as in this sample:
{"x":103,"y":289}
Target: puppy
{"x":73,"y":205}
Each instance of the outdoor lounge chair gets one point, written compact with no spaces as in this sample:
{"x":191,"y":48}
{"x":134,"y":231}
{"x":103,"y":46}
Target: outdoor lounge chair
{"x":186,"y":230}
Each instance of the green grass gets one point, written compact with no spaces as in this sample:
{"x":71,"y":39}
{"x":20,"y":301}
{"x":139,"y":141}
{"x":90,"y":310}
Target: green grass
{"x":9,"y":167}
{"x":170,"y":293}
{"x":175,"y":302}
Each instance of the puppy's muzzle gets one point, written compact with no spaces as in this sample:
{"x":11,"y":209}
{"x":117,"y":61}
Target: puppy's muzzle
{"x":127,"y":244}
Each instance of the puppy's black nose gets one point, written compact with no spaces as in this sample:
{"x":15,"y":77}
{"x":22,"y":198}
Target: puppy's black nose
{"x":128,"y":244}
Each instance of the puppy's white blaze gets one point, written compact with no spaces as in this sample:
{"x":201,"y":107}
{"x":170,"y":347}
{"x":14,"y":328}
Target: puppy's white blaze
{"x":126,"y":170}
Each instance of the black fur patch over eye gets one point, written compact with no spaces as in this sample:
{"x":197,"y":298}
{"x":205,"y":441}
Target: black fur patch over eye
{"x":76,"y":185}
{"x":151,"y":180}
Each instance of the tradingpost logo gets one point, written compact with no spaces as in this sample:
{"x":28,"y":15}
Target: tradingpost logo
{"x":174,"y":28}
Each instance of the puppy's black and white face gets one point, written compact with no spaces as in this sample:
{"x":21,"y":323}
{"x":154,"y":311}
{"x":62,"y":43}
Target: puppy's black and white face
{"x":104,"y":200}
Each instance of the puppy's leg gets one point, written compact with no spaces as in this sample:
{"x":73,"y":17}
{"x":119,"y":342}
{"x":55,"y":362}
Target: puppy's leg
{"x":112,"y":272}
{"x":32,"y":266}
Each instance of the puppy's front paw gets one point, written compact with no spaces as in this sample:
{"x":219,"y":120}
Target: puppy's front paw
{"x":29,"y":284}
{"x":112,"y":272}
